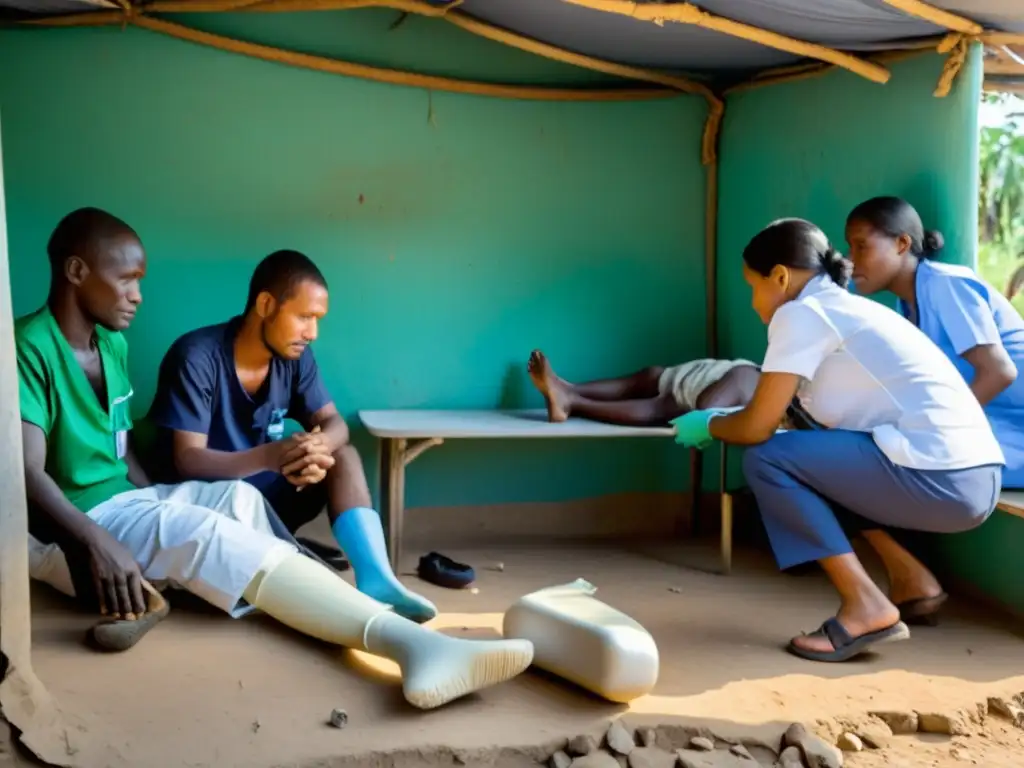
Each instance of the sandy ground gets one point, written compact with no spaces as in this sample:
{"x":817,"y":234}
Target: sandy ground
{"x":203,"y":690}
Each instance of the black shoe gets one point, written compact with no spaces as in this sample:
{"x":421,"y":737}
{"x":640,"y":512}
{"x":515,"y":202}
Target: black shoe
{"x":330,"y":555}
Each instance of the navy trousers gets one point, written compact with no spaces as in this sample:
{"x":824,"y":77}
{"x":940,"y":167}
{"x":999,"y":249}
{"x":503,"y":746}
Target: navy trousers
{"x":808,"y":484}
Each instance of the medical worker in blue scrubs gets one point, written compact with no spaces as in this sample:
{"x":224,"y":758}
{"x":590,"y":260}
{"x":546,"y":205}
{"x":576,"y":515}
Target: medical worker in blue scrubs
{"x":903,"y":442}
{"x":974,"y":324}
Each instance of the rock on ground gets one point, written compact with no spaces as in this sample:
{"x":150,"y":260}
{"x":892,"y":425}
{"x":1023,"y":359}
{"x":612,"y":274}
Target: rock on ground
{"x":596,"y":759}
{"x":790,"y":758}
{"x":702,"y":744}
{"x":816,"y":753}
{"x":850,"y":742}
{"x":648,"y":737}
{"x":620,"y":741}
{"x":954,"y":724}
{"x":581,"y":745}
{"x":651,"y":757}
{"x":874,"y":733}
{"x":900,"y":723}
{"x":560,"y":760}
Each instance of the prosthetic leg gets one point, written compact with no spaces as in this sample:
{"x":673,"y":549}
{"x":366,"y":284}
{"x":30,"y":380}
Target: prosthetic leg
{"x":436,"y":669}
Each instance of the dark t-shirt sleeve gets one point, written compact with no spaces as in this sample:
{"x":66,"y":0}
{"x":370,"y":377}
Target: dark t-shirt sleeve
{"x":309,"y":394}
{"x":185,"y":390}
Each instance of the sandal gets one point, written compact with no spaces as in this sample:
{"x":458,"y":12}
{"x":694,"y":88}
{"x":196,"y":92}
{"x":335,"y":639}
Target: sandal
{"x":844,"y":645}
{"x":121,"y":634}
{"x":922,"y":610}
{"x":437,"y":569}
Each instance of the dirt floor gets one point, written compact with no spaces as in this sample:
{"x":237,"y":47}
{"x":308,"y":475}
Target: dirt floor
{"x":203,"y":690}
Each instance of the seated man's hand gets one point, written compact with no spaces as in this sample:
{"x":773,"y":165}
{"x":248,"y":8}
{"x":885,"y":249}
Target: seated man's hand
{"x":312,"y":459}
{"x":117,"y":577}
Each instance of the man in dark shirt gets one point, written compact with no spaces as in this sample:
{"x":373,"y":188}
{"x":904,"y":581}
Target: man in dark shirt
{"x":223,"y":395}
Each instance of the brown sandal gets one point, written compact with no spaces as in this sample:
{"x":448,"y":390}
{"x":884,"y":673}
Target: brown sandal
{"x":122,"y":634}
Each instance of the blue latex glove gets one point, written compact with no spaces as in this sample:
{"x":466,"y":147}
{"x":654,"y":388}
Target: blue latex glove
{"x":693,"y":428}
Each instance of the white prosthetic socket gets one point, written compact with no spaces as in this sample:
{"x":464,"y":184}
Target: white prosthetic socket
{"x":587,"y":642}
{"x":436,"y":669}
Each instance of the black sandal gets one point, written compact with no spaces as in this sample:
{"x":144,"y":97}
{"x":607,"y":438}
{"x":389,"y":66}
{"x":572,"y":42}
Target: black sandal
{"x":844,"y":645}
{"x":437,"y":569}
{"x":922,"y":610}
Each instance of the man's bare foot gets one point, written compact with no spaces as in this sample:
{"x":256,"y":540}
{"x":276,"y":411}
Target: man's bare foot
{"x":556,"y":391}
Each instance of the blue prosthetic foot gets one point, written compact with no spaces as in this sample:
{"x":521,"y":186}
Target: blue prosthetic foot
{"x":361,"y":537}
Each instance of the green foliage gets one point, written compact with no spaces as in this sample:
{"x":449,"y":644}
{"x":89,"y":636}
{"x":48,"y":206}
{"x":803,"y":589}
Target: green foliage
{"x":1001,"y":199}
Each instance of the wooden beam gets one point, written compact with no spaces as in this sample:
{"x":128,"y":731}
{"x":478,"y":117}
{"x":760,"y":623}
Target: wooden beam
{"x":24,"y":701}
{"x":936,"y":16}
{"x":687,"y":13}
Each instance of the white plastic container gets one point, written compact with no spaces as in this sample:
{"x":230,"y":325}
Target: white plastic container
{"x":585,"y":641}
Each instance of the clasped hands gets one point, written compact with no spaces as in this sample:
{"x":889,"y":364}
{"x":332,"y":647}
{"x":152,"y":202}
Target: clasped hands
{"x":303,"y":458}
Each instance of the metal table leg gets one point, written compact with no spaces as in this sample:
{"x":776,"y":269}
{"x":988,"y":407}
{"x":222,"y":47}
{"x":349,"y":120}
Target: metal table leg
{"x":725,"y":508}
{"x":396,"y":454}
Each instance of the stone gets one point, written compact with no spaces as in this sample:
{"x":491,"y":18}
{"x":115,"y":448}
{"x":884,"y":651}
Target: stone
{"x":1006,"y":709}
{"x":702,"y":744}
{"x":790,"y":758}
{"x":560,"y":760}
{"x":596,"y":759}
{"x":939,"y":722}
{"x":651,"y":757}
{"x":816,"y":753}
{"x":718,"y":759}
{"x":620,"y":741}
{"x":582,"y":745}
{"x":339,"y":718}
{"x":900,"y":723}
{"x":740,"y":751}
{"x":850,"y":742}
{"x":648,"y":736}
{"x":875,"y":734}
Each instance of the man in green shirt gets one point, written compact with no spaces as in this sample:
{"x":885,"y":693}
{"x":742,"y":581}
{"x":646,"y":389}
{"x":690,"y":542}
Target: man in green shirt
{"x":91,"y":502}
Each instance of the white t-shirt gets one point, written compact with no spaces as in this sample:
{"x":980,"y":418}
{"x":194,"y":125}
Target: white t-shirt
{"x":868,"y":369}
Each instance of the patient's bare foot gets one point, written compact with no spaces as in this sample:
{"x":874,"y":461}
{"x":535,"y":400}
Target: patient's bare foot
{"x":556,"y":391}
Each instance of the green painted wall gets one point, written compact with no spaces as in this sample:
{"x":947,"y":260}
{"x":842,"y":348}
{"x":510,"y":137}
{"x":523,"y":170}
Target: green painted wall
{"x":815,"y":148}
{"x":457,"y":233}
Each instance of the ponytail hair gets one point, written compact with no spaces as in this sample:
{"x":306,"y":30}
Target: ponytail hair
{"x":797,"y":244}
{"x":895,"y":217}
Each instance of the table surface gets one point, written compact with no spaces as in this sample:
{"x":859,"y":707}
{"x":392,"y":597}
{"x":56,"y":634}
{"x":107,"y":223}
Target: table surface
{"x":493,"y":424}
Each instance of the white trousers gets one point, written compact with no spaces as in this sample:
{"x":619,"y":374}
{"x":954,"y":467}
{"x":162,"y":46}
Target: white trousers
{"x":210,"y":539}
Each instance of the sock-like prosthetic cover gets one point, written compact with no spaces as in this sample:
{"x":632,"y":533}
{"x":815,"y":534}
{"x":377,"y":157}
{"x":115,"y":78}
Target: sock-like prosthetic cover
{"x":361,"y":537}
{"x":436,"y":669}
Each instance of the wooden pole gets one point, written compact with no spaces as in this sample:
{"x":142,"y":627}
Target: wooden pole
{"x":24,"y":702}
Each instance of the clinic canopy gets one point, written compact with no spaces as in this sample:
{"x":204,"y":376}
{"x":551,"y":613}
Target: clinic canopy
{"x":718,"y":42}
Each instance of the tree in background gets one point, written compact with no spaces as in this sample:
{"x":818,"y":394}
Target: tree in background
{"x":1001,"y":195}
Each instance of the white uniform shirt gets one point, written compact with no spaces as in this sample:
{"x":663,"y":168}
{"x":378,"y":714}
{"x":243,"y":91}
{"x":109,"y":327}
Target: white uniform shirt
{"x":867,"y":369}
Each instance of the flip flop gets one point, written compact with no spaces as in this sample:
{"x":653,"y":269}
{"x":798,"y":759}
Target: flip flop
{"x":122,"y":634}
{"x":844,"y":645}
{"x":437,"y":569}
{"x":922,"y":610}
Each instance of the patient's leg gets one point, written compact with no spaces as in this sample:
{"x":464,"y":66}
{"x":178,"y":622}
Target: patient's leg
{"x":630,"y":400}
{"x":734,"y":389}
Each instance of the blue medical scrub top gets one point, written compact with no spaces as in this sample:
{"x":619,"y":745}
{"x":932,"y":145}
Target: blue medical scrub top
{"x":958,"y":311}
{"x":198,"y":391}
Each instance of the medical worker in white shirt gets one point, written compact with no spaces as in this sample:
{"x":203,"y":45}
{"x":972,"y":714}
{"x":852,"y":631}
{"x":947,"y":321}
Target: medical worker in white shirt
{"x":904,"y":442}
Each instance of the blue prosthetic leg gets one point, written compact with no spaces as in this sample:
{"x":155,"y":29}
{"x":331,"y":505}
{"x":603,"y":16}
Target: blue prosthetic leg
{"x":361,"y":536}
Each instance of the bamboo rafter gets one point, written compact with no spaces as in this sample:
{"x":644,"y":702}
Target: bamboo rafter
{"x":671,"y":82}
{"x":687,"y":13}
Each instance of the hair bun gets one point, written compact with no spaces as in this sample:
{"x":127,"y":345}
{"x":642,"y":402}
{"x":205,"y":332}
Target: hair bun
{"x":837,"y":266}
{"x":933,"y":241}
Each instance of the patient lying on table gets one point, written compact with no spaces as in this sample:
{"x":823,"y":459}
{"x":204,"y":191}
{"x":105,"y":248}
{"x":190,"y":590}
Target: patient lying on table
{"x":650,"y":397}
